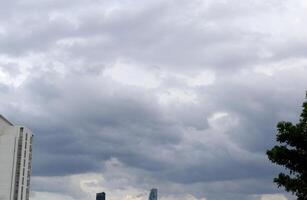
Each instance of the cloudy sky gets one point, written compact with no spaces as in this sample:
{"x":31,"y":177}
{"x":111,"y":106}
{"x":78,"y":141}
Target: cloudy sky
{"x":127,"y":95}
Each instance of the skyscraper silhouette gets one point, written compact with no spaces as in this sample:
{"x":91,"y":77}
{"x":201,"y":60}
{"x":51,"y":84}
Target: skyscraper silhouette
{"x":101,"y":196}
{"x":153,"y":194}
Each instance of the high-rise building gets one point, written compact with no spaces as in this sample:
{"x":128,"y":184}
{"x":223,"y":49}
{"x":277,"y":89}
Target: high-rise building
{"x":153,"y":194}
{"x":101,"y":196}
{"x":15,"y":161}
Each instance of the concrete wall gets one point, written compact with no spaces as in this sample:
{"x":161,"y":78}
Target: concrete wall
{"x":8,"y":140}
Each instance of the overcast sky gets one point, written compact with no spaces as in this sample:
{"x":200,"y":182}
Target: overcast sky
{"x":127,"y":95}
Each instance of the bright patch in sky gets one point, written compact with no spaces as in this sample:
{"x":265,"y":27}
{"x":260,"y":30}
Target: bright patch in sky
{"x":177,"y":96}
{"x":202,"y":79}
{"x":133,"y":74}
{"x":273,"y":197}
{"x":49,"y":196}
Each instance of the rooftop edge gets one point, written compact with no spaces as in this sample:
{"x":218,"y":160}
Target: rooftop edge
{"x":6,"y":120}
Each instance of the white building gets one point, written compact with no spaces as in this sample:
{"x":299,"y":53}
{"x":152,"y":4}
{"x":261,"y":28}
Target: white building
{"x":15,"y":161}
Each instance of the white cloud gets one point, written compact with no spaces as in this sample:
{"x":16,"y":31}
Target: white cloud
{"x":182,"y":197}
{"x":289,"y":65}
{"x":177,"y":96}
{"x":133,"y":74}
{"x":273,"y":197}
{"x":49,"y":196}
{"x":204,"y":78}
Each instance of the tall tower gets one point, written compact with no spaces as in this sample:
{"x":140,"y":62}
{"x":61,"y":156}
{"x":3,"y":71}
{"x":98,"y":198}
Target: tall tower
{"x":153,"y":194}
{"x":101,"y":196}
{"x":15,"y":161}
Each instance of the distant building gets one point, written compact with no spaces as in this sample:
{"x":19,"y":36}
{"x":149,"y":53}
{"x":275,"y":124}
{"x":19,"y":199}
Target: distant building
{"x":15,"y":161}
{"x":101,"y":196}
{"x":153,"y":194}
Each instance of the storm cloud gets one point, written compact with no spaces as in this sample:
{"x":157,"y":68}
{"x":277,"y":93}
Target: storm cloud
{"x":128,"y":95}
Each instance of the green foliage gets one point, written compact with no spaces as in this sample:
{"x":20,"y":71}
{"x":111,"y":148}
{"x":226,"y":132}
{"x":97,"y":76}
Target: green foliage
{"x":292,"y":154}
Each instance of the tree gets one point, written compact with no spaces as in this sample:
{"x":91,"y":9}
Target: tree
{"x":292,"y":154}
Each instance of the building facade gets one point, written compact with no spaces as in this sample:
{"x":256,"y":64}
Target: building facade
{"x":15,"y":161}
